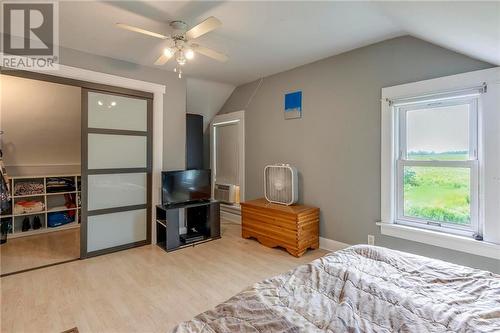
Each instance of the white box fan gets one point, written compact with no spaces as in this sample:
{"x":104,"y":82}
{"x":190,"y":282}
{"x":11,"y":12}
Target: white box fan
{"x":281,"y":184}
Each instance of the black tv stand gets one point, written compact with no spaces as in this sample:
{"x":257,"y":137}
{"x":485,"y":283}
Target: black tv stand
{"x":201,"y":220}
{"x":194,"y":237}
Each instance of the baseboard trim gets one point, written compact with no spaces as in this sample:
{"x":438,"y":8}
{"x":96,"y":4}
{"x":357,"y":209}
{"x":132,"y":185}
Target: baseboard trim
{"x":230,"y":217}
{"x":331,"y":245}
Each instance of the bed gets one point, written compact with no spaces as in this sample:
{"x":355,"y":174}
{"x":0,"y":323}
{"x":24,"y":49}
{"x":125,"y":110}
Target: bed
{"x":362,"y":289}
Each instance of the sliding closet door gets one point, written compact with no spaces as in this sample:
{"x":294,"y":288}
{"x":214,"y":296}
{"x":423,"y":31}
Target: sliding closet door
{"x":116,"y":178}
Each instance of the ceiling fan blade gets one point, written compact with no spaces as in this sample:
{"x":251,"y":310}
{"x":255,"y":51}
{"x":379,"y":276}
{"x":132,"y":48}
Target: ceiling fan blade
{"x":141,"y":31}
{"x":162,"y":60}
{"x":204,"y":27}
{"x":209,"y":52}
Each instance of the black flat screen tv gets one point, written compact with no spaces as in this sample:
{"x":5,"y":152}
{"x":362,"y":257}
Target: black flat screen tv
{"x":185,"y":186}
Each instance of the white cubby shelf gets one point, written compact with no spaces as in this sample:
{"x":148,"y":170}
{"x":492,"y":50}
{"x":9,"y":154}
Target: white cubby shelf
{"x":53,"y":202}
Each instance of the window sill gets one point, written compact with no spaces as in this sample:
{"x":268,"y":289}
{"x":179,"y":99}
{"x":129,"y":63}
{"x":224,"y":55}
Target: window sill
{"x":453,"y":242}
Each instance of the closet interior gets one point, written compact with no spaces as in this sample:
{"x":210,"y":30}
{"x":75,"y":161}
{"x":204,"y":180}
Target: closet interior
{"x":40,"y":213}
{"x":42,"y":204}
{"x":76,"y":170}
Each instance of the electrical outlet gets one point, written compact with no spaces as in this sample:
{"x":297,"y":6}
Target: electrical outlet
{"x":371,"y":240}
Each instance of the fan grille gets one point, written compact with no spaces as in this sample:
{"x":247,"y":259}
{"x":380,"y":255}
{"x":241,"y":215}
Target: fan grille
{"x":279,"y":184}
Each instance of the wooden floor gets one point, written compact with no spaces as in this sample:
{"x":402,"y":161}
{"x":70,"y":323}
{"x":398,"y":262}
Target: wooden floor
{"x":39,"y":250}
{"x":140,"y":290}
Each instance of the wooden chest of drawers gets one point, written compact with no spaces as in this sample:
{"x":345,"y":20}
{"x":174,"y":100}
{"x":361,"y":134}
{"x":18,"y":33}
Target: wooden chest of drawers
{"x":295,"y":228}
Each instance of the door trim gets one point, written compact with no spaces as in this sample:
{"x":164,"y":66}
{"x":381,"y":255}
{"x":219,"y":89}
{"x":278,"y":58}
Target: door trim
{"x":236,"y":118}
{"x":99,"y":87}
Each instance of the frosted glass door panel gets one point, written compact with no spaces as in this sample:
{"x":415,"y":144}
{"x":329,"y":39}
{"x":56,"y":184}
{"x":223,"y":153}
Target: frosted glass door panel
{"x":117,"y":112}
{"x":107,"y":151}
{"x":116,"y":203}
{"x":116,"y":190}
{"x":110,"y":230}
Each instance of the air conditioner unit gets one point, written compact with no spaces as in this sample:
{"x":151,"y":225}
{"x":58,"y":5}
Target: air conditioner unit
{"x":228,"y":193}
{"x":281,"y":184}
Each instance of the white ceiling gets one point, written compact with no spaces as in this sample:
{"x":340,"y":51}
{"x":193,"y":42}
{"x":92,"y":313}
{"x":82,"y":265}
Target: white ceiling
{"x":263,"y":38}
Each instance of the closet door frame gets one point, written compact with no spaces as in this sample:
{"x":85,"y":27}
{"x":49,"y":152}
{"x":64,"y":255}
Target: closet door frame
{"x":85,"y":172}
{"x":109,"y":89}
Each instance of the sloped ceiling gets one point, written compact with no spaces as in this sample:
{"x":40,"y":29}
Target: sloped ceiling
{"x":470,"y":27}
{"x":206,"y":97}
{"x":263,"y":38}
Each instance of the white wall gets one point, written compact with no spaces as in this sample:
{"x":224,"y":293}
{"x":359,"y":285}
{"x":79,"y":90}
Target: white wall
{"x":41,"y":124}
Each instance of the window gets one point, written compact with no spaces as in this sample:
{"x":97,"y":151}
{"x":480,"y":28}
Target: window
{"x":440,"y":162}
{"x":437,"y":164}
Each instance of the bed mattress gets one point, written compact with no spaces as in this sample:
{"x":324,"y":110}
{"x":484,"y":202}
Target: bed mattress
{"x":362,"y":289}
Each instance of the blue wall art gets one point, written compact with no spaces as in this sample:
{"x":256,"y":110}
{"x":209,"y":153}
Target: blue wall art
{"x":293,"y":105}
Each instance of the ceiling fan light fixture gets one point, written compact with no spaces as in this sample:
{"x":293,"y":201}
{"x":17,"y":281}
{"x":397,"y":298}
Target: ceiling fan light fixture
{"x":189,"y":54}
{"x":167,"y":52}
{"x":180,"y":47}
{"x":181,"y":61}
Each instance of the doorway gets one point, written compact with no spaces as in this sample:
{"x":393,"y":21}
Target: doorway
{"x":41,"y":173}
{"x":227,"y":159}
{"x":56,"y":224}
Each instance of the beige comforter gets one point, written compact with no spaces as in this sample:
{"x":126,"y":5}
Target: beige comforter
{"x":362,"y":289}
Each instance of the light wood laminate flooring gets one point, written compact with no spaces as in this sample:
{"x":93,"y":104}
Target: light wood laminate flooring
{"x":139,"y":290}
{"x":39,"y":250}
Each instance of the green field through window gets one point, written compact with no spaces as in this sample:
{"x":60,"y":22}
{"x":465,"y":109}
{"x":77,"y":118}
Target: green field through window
{"x":437,"y":193}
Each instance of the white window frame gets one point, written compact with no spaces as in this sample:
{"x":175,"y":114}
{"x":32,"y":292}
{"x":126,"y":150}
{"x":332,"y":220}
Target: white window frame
{"x":472,"y":163}
{"x":487,"y":165}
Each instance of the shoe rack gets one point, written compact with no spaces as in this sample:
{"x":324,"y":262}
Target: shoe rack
{"x":54,"y":201}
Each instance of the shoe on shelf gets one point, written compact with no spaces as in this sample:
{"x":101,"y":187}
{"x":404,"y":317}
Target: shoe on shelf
{"x":37,"y":224}
{"x":26,"y":224}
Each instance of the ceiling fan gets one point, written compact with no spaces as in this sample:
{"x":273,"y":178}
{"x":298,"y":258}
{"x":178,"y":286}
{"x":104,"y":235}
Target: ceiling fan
{"x":181,"y":46}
